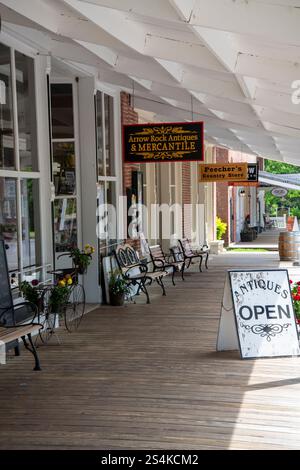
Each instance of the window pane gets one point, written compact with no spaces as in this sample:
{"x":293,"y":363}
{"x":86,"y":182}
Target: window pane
{"x":111,"y":199}
{"x":8,"y":219}
{"x":101,"y":218}
{"x":26,"y":112}
{"x":109,"y":135}
{"x":65,"y":224}
{"x":62,"y":111}
{"x":64,"y":176}
{"x":99,"y":132}
{"x":30,"y":225}
{"x":7,"y":159}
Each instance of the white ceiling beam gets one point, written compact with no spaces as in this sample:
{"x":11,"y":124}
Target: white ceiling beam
{"x":184,"y":8}
{"x":277,"y":22}
{"x":281,"y":101}
{"x":113,"y":22}
{"x":189,"y":53}
{"x":282,"y":118}
{"x":154,"y":9}
{"x":267,"y":69}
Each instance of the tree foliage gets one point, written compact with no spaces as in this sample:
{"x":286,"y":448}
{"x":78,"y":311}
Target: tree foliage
{"x":280,"y":168}
{"x":292,"y":199}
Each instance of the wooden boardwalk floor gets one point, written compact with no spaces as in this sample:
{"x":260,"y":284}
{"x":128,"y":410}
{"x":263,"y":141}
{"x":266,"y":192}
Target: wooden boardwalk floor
{"x":148,"y":377}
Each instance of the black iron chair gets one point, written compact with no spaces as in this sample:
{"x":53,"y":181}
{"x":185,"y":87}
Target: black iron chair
{"x":162,"y":261}
{"x":16,"y":320}
{"x":190,"y":254}
{"x":135,"y":272}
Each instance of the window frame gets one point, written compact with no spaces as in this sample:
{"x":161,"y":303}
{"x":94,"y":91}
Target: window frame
{"x":17,"y":174}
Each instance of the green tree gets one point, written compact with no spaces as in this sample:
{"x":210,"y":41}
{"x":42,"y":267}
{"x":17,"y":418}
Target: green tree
{"x":280,"y":168}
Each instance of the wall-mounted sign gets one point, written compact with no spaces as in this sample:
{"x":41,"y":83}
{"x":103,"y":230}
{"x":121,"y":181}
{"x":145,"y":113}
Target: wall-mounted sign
{"x":257,"y":315}
{"x":210,"y":172}
{"x":252,"y":177}
{"x":279,"y":192}
{"x":163,"y":142}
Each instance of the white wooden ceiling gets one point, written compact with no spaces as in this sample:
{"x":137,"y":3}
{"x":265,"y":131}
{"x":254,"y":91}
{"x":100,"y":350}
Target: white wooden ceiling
{"x":230,"y":61}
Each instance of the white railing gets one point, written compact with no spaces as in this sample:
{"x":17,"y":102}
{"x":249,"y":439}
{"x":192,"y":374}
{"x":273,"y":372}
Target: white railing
{"x":279,"y":222}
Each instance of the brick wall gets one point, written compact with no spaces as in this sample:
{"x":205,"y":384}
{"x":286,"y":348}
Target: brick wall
{"x":128,"y":116}
{"x":223,"y":209}
{"x":186,"y":199}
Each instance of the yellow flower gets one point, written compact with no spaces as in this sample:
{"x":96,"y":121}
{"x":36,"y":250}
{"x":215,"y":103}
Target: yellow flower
{"x":69,"y":281}
{"x":68,"y":276}
{"x":62,"y":283}
{"x":88,"y":249}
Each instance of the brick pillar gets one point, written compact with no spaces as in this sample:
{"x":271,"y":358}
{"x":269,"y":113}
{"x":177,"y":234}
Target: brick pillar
{"x":223,"y":209}
{"x":128,"y":116}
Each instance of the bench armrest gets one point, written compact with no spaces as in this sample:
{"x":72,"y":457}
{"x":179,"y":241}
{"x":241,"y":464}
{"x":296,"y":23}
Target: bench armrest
{"x":34,"y":310}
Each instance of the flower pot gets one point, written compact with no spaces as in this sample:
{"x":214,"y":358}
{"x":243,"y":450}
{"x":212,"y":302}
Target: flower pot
{"x":81,"y":269}
{"x":116,"y":299}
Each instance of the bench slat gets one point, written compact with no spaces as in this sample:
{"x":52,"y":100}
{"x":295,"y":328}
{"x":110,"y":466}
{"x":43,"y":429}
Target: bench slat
{"x":10,"y":334}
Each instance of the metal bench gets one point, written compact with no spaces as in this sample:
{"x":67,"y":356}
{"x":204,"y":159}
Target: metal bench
{"x":135,"y":272}
{"x":162,"y":261}
{"x":190,"y":254}
{"x":16,"y":320}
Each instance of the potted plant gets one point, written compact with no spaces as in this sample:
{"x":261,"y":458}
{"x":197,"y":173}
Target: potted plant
{"x":295,"y":289}
{"x":118,"y":288}
{"x":31,"y":292}
{"x":59,"y":294}
{"x":82,"y":259}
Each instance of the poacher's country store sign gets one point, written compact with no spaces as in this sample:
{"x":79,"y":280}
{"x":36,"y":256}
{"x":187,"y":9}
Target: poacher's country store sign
{"x":257,"y":314}
{"x":210,"y":172}
{"x":163,"y":142}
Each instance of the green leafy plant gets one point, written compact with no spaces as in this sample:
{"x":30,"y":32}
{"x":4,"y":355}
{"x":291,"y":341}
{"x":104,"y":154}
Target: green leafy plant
{"x":295,"y":288}
{"x":82,"y":258}
{"x":60,"y":293}
{"x":31,"y":292}
{"x":118,"y":285}
{"x":221,"y":228}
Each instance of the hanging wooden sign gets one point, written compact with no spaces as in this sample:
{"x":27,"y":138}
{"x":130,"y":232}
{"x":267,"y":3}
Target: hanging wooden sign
{"x":210,"y":172}
{"x":252,"y":177}
{"x":257,"y":315}
{"x":163,"y":142}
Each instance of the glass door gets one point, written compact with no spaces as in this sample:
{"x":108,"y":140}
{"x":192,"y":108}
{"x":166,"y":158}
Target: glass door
{"x":64,"y":171}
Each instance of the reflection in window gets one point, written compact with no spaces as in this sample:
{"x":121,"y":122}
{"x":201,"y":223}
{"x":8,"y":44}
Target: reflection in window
{"x":7,"y":159}
{"x":62,"y":111}
{"x":99,"y":132}
{"x":8,"y":220}
{"x":109,"y":135}
{"x":30,"y":226}
{"x":65,"y":224}
{"x":26,"y":112}
{"x":111,"y":199}
{"x":64,"y":168}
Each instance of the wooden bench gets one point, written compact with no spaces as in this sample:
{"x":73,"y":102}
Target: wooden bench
{"x":137,"y":273}
{"x":162,"y":261}
{"x":11,"y":334}
{"x":17,"y":321}
{"x":191,"y":254}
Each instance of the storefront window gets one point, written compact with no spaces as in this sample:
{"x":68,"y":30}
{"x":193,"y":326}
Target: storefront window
{"x":65,"y":224}
{"x":64,"y":168}
{"x":9,"y":219}
{"x":30,"y":226}
{"x":26,"y":112}
{"x":62,"y":111}
{"x":7,"y":156}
